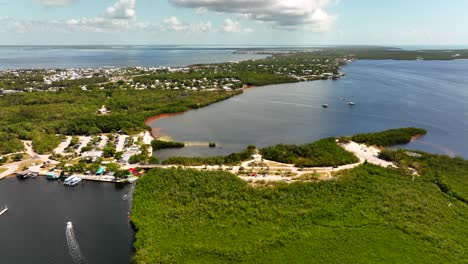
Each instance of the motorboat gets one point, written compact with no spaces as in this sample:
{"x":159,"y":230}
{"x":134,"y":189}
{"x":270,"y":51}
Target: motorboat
{"x":52,"y":176}
{"x":72,"y":181}
{"x":325,"y":105}
{"x":69,"y":179}
{"x":351,"y":103}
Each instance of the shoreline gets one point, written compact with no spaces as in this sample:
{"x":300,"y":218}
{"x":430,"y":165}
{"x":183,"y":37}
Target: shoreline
{"x":246,"y":87}
{"x":155,"y":131}
{"x":416,"y":137}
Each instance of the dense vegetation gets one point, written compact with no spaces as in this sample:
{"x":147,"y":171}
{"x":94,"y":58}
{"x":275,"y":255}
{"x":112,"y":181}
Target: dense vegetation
{"x":231,"y":159}
{"x":159,"y":144}
{"x":368,"y":215}
{"x":388,"y":53}
{"x":450,"y":174}
{"x":10,"y":143}
{"x":322,"y":153}
{"x":390,"y":137}
{"x":39,"y":116}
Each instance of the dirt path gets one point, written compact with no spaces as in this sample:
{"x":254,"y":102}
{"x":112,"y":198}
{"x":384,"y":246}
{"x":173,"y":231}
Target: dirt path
{"x":363,"y":152}
{"x":63,"y":145}
{"x":33,"y":156}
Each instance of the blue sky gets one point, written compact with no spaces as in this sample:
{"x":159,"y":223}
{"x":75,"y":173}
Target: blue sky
{"x":234,"y":22}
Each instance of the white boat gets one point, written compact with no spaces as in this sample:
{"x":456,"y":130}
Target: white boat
{"x":351,"y":103}
{"x":4,"y":210}
{"x":69,"y":179}
{"x":72,"y":181}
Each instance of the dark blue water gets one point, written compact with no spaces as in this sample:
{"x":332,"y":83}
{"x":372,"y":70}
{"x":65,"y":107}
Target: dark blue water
{"x":33,"y":230}
{"x":14,"y":57}
{"x":388,"y":94}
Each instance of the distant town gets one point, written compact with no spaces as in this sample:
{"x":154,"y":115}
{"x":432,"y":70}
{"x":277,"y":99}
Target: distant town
{"x":226,"y":76}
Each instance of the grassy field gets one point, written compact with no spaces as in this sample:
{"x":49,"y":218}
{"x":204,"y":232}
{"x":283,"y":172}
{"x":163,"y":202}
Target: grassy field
{"x":368,"y":215}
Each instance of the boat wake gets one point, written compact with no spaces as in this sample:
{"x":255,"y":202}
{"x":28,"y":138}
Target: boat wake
{"x":4,"y":210}
{"x":73,"y":246}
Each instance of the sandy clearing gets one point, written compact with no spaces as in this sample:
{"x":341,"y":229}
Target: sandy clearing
{"x":121,"y":145}
{"x":366,"y":153}
{"x":62,"y":146}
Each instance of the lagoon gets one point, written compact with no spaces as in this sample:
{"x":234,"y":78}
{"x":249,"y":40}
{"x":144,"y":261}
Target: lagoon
{"x":388,"y":94}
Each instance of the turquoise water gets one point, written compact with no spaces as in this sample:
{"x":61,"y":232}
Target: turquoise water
{"x":388,"y":94}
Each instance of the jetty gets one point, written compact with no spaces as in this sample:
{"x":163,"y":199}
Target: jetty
{"x":4,"y":210}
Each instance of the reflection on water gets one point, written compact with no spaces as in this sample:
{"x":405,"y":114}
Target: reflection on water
{"x":388,"y":94}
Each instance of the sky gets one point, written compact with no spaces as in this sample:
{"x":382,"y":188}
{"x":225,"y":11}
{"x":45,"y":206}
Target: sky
{"x":233,"y":22}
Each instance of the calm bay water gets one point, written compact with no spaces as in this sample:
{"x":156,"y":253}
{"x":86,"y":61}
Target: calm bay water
{"x":388,"y":94}
{"x":33,"y":230}
{"x":13,"y":57}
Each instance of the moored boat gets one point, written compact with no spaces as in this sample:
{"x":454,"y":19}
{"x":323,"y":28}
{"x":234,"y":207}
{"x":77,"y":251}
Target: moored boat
{"x":69,"y":179}
{"x":52,"y":176}
{"x":23,"y":175}
{"x":72,"y":181}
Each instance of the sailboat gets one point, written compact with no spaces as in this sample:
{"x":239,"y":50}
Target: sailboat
{"x":4,"y":210}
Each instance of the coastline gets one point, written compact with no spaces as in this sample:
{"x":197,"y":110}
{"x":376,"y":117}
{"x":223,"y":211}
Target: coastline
{"x":246,"y":87}
{"x":416,"y":137}
{"x":155,"y":131}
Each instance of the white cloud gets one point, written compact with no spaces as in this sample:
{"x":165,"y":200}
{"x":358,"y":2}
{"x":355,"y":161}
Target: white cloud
{"x":174,"y":24}
{"x":118,"y":16}
{"x":201,"y":11}
{"x":290,"y":14}
{"x":122,"y":9}
{"x":233,"y":26}
{"x":10,"y":24}
{"x":55,"y":2}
